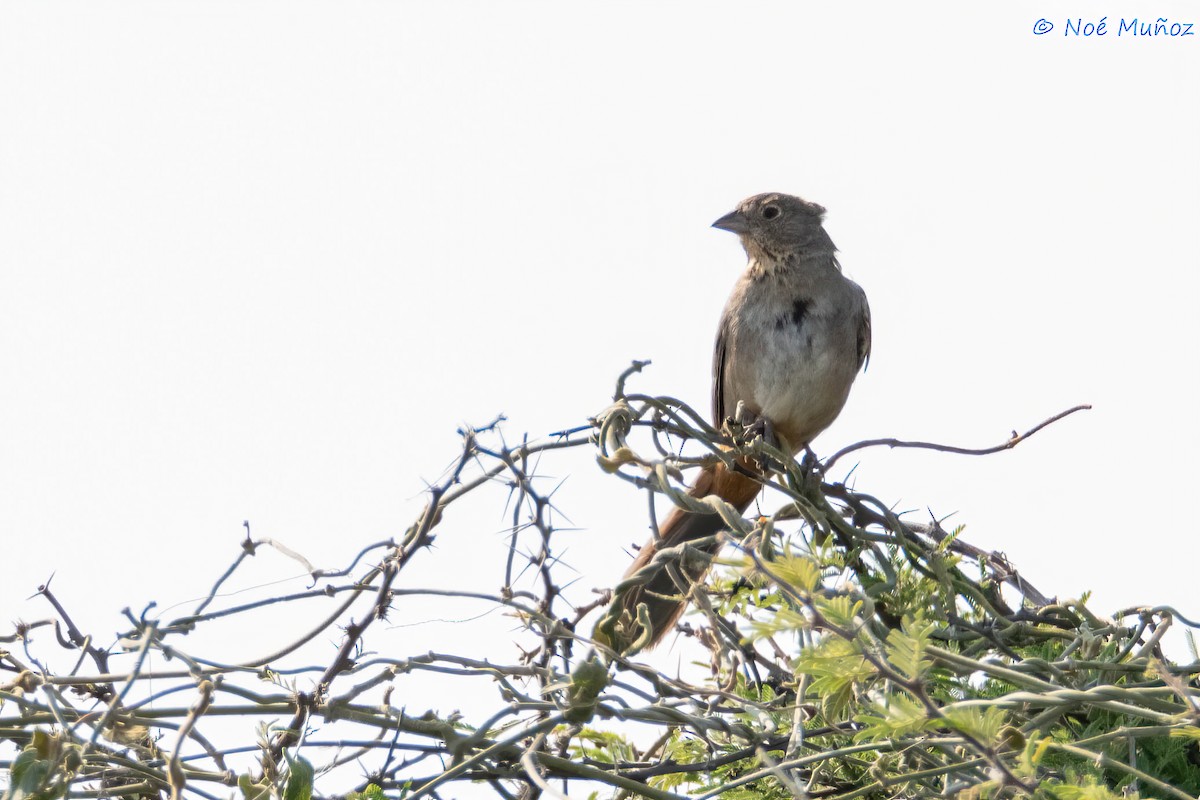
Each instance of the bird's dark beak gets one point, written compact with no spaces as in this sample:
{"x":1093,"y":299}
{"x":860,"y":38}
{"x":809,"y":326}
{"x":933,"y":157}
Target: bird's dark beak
{"x":733,"y":222}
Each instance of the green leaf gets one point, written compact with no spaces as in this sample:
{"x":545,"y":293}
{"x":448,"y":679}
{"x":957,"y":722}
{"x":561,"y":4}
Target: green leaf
{"x":984,"y":724}
{"x":28,"y":776}
{"x":1089,"y":791}
{"x":837,"y":668}
{"x":842,"y":611}
{"x":608,"y":747}
{"x":897,"y":715}
{"x":797,"y":571}
{"x":1187,"y":732}
{"x":300,"y":779}
{"x":251,"y":790}
{"x":785,"y":619}
{"x":589,"y":679}
{"x":907,"y":647}
{"x":372,"y":792}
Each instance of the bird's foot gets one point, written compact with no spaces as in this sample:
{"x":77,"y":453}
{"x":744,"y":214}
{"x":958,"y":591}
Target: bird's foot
{"x":761,"y":426}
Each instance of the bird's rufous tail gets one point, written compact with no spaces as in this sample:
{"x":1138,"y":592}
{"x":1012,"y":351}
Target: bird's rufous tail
{"x":664,"y":600}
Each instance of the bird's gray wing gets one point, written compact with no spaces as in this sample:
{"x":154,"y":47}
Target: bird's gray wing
{"x":718,"y":370}
{"x":864,"y":331}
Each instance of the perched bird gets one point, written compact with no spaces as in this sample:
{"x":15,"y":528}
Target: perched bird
{"x":793,"y":336}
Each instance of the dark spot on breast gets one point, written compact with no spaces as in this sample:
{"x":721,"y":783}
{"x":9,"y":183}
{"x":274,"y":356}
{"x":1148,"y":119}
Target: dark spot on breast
{"x":795,"y":318}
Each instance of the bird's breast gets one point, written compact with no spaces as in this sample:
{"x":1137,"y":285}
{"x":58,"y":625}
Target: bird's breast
{"x":792,"y":358}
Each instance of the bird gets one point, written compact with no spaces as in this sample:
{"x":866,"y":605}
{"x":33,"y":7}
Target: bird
{"x":793,"y":336}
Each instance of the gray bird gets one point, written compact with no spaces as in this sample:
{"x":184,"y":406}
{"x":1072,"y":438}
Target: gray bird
{"x":793,"y":336}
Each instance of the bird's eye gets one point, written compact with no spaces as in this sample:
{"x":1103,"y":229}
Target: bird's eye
{"x":770,"y":212}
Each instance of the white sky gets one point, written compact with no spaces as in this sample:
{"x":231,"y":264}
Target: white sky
{"x":259,"y":260}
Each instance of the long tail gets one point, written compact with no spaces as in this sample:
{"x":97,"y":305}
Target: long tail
{"x":663,"y":598}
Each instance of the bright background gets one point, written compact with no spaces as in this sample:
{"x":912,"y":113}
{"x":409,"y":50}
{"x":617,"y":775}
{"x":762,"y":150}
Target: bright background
{"x":260,"y":260}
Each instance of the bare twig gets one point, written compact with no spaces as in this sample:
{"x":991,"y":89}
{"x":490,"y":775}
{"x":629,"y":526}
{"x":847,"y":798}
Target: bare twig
{"x":1012,"y":442}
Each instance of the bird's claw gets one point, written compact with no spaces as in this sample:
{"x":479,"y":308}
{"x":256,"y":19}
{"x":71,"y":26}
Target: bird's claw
{"x":761,"y":426}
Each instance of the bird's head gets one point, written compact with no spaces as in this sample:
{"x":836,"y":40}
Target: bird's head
{"x":774,"y":226}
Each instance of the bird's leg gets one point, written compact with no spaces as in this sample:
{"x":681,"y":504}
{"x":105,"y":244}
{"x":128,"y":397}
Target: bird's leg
{"x":762,"y":426}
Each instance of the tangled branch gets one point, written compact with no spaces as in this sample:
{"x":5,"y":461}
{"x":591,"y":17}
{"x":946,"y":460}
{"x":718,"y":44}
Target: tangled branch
{"x":843,"y":652}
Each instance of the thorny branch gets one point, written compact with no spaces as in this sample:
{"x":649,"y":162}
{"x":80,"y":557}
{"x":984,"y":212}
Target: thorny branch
{"x":899,"y":619}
